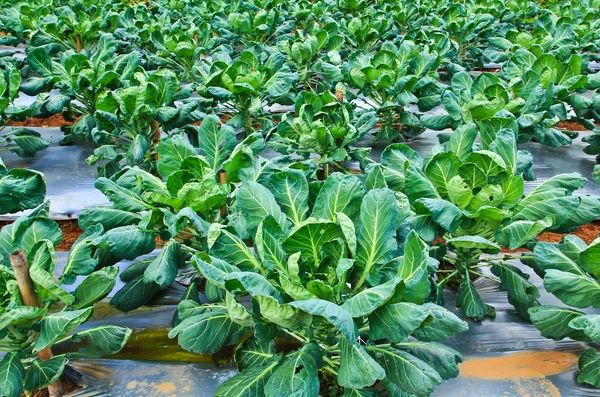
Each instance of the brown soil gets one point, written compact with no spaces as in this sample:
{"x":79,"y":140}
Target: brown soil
{"x":68,"y":387}
{"x":70,"y":233}
{"x":522,"y":365}
{"x":588,"y":233}
{"x":571,"y":125}
{"x":56,"y":120}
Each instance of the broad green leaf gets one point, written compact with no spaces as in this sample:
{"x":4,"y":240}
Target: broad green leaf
{"x":470,"y":302}
{"x":573,"y":289}
{"x":215,"y":143}
{"x":229,"y":248}
{"x":590,"y":259}
{"x":340,"y":193}
{"x":249,"y":383}
{"x":40,"y":62}
{"x":589,"y":324}
{"x":163,"y":269}
{"x":550,"y":256}
{"x":553,"y":322}
{"x":102,"y":340}
{"x":370,"y":299}
{"x":473,"y":242}
{"x":443,"y":212}
{"x":42,"y":373}
{"x":461,"y":141}
{"x":253,"y":353}
{"x":171,"y":153}
{"x":12,"y":375}
{"x":268,"y":242}
{"x":21,"y":189}
{"x":255,"y":202}
{"x":290,"y":189}
{"x":441,"y":358}
{"x":128,"y":242}
{"x":412,"y":268}
{"x":441,"y":169}
{"x":297,"y":374}
{"x":207,"y":333}
{"x":397,"y":321}
{"x":251,"y":283}
{"x":95,"y":287}
{"x":518,"y":233}
{"x":309,"y":236}
{"x":283,"y":315}
{"x":444,"y":324}
{"x":53,"y":326}
{"x":134,"y":294}
{"x":589,"y":367}
{"x":334,"y":314}
{"x":107,"y":217}
{"x":377,"y":228}
{"x":122,"y":198}
{"x":412,"y":374}
{"x":81,"y":259}
{"x":357,"y":368}
{"x":515,"y":283}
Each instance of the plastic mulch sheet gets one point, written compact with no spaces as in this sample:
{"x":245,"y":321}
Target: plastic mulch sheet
{"x":504,"y":356}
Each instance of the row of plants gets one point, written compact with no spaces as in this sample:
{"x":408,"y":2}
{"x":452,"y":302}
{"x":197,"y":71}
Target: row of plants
{"x":32,"y":324}
{"x":350,"y":268}
{"x":130,"y":73}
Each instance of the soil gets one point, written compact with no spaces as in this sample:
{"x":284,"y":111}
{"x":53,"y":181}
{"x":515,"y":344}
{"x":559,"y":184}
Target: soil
{"x":56,"y":120}
{"x":68,"y":387}
{"x":571,"y":125}
{"x":588,"y":233}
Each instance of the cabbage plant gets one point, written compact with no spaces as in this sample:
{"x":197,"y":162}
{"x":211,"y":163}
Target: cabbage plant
{"x":334,"y":279}
{"x":571,"y":272}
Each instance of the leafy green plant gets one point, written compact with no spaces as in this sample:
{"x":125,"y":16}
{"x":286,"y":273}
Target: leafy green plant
{"x":241,"y":86}
{"x":178,"y":208}
{"x":489,"y":99}
{"x":474,"y":201}
{"x":324,"y":126}
{"x":20,"y":189}
{"x":22,"y":141}
{"x":332,"y":277}
{"x":26,"y":330}
{"x":387,"y":81}
{"x":571,"y":272}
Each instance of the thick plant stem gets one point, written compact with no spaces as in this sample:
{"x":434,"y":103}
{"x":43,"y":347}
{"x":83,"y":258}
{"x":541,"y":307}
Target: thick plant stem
{"x":155,"y":131}
{"x":20,"y":267}
{"x":78,"y":40}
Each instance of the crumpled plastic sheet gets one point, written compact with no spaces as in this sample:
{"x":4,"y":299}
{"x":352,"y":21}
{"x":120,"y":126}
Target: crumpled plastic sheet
{"x":491,"y":338}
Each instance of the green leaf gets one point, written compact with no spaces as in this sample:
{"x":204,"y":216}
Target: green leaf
{"x":40,"y":62}
{"x":357,"y":368}
{"x":461,"y":141}
{"x":21,"y":189}
{"x":253,"y":353}
{"x":81,"y":259}
{"x":107,"y":217}
{"x":441,"y":169}
{"x":290,"y":189}
{"x":413,"y":268}
{"x":518,"y":233}
{"x":134,"y":294}
{"x":589,"y":367}
{"x":470,"y":302}
{"x":102,"y":341}
{"x":228,"y":247}
{"x":573,"y":289}
{"x":370,"y":299}
{"x":412,"y":374}
{"x":95,"y":287}
{"x":309,"y":236}
{"x":251,"y":283}
{"x":444,"y":213}
{"x":340,"y":193}
{"x":53,"y":326}
{"x":589,"y":324}
{"x":42,"y":373}
{"x":123,"y":199}
{"x":441,"y":358}
{"x":590,"y":259}
{"x":396,"y":322}
{"x":163,"y":269}
{"x":215,"y":143}
{"x":128,"y":242}
{"x":334,"y":314}
{"x":12,"y":374}
{"x":377,"y":228}
{"x":515,"y":282}
{"x":171,"y":153}
{"x":297,"y":374}
{"x":553,"y":322}
{"x":283,"y":315}
{"x":249,"y":383}
{"x":268,"y":242}
{"x":550,"y":256}
{"x":255,"y":202}
{"x":473,"y":242}
{"x":208,"y":332}
{"x":444,"y":324}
